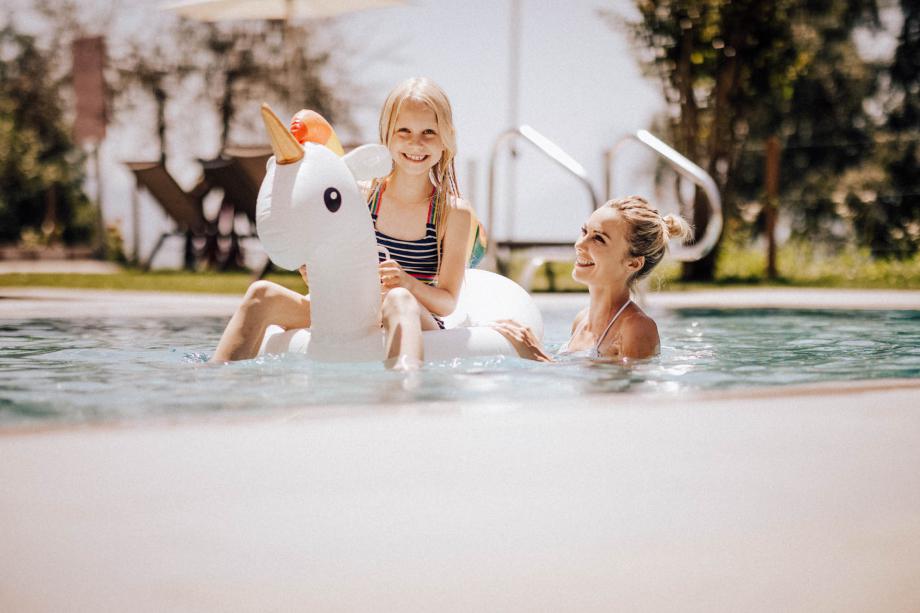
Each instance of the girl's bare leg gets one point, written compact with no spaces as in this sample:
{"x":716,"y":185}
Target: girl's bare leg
{"x":401,"y":315}
{"x":264,"y":303}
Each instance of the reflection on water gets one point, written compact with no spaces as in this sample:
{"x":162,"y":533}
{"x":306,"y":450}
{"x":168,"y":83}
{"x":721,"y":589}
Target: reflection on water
{"x":125,"y":368}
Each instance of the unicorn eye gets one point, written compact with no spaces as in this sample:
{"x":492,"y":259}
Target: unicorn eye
{"x":333,"y":199}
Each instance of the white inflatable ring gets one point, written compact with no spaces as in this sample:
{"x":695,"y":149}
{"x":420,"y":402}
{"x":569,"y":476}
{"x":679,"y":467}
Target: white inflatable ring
{"x":485,"y":298}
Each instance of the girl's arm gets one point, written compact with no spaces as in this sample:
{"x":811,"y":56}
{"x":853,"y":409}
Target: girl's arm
{"x":440,"y":300}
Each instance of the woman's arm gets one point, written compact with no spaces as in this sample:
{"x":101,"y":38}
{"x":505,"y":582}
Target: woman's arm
{"x":440,"y":300}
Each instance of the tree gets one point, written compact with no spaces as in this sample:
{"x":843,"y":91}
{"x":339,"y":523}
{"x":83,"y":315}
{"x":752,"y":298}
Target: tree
{"x":889,"y":222}
{"x":729,"y":71}
{"x":40,"y":166}
{"x":157,"y":68}
{"x":827,"y":134}
{"x":256,"y":61}
{"x":233,"y":67}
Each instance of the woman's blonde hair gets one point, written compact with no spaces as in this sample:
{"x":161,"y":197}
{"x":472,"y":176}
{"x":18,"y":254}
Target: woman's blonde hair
{"x":443,"y":175}
{"x":648,"y":231}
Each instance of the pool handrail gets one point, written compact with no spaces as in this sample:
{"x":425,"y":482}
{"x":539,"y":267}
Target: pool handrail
{"x":550,"y":150}
{"x":687,"y":169}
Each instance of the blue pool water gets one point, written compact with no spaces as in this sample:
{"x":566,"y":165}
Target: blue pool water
{"x":105,"y":369}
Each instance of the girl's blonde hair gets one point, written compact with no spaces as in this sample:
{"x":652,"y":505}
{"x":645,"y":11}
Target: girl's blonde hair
{"x":648,"y":232}
{"x":443,"y":175}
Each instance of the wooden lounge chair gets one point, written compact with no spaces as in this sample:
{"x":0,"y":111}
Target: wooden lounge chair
{"x":184,"y":208}
{"x":250,"y":161}
{"x":238,"y":173}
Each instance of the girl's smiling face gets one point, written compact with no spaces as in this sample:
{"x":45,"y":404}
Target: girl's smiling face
{"x":416,"y":145}
{"x":602,"y":252}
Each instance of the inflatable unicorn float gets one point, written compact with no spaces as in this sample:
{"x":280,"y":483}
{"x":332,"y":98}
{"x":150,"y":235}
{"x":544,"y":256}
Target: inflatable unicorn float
{"x":310,"y":211}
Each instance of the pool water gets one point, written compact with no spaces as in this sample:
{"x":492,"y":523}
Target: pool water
{"x":116,"y":369}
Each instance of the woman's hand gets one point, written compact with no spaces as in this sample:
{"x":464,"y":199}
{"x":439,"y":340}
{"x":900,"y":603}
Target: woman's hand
{"x":392,"y":275}
{"x":303,"y":274}
{"x":523,"y":339}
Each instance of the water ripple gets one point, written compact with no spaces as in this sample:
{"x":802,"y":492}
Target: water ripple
{"x":112,"y":368}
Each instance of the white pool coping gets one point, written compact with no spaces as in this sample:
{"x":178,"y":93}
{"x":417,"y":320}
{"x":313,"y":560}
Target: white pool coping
{"x":19,"y":303}
{"x":803,"y":498}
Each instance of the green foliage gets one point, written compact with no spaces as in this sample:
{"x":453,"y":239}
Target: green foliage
{"x":801,"y":264}
{"x":233,"y":67}
{"x":114,"y":245}
{"x":738,"y":71}
{"x":39,"y":163}
{"x":889,"y":223}
{"x":824,"y":129}
{"x":248,"y":63}
{"x":234,"y":283}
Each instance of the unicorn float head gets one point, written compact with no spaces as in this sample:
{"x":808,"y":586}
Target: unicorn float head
{"x":310,"y":211}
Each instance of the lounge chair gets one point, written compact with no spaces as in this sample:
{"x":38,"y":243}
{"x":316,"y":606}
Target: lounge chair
{"x":251,"y":163}
{"x":238,"y":173}
{"x":184,"y":208}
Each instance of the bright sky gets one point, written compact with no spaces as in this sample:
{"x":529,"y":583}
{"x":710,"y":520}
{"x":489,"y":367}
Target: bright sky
{"x":579,"y":85}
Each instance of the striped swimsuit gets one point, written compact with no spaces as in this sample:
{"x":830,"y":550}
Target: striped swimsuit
{"x":419,"y":257}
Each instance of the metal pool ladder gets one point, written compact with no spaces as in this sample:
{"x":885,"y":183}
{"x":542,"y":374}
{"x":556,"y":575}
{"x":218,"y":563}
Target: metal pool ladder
{"x":541,"y":252}
{"x":690,"y":171}
{"x":536,"y":252}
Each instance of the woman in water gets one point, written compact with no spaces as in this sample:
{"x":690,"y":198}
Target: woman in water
{"x":422,"y":227}
{"x":620,"y":244}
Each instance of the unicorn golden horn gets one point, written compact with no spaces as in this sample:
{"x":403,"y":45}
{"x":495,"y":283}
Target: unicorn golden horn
{"x":285,"y":147}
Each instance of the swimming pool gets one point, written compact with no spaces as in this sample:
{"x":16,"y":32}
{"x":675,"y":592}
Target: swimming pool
{"x":603,"y":486}
{"x":117,"y":368}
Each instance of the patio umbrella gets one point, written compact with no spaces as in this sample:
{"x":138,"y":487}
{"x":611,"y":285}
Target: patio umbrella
{"x":276,"y":10}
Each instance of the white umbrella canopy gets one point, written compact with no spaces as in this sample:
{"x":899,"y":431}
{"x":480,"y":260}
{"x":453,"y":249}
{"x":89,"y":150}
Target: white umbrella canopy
{"x":280,"y":10}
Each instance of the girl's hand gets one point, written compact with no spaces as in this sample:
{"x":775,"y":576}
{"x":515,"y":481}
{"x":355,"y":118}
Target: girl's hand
{"x":392,"y":275}
{"x":303,"y":274}
{"x":523,"y":339}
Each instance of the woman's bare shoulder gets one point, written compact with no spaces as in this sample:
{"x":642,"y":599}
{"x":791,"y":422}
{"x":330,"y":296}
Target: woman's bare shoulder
{"x":638,"y":335}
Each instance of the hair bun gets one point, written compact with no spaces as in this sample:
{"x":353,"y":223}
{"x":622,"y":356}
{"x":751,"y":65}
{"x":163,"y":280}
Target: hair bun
{"x":677,"y":227}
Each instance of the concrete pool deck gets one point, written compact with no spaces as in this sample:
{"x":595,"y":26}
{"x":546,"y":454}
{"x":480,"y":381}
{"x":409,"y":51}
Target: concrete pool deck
{"x":780,"y":499}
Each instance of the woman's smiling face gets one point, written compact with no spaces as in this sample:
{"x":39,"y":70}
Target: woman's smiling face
{"x":602,"y":252}
{"x":416,"y":145}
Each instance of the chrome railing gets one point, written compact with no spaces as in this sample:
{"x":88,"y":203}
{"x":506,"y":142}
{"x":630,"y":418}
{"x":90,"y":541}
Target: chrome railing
{"x":550,"y":150}
{"x":687,"y":169}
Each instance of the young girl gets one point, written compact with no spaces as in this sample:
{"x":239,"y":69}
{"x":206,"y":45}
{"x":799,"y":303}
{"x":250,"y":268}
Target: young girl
{"x":620,"y":244}
{"x":422,"y":226}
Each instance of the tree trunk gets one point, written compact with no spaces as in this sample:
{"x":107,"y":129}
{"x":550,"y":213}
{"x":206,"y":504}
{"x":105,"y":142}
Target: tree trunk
{"x":160,"y":96}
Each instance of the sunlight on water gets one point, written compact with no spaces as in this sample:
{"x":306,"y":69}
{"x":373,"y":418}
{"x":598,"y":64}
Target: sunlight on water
{"x":103,"y":369}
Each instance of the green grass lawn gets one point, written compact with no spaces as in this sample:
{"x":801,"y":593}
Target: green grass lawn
{"x":159,"y":281}
{"x":799,"y":266}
